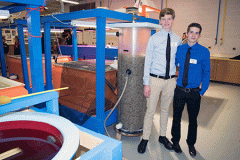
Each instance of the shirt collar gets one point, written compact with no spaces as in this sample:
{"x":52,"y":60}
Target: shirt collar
{"x":165,"y":32}
{"x":194,"y":46}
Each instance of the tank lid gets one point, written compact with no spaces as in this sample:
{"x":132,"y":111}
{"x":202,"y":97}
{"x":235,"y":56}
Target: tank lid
{"x":136,"y":24}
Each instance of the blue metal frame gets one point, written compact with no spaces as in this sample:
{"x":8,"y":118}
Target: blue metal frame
{"x":109,"y":149}
{"x":20,"y":5}
{"x":47,"y":51}
{"x":23,"y":56}
{"x":50,"y":98}
{"x":35,"y":50}
{"x":92,"y":13}
{"x":35,"y":54}
{"x":3,"y":64}
{"x":74,"y":44}
{"x":25,"y":2}
{"x":33,"y":23}
{"x":47,"y":48}
{"x":97,"y":123}
{"x":100,"y":71}
{"x":19,"y":24}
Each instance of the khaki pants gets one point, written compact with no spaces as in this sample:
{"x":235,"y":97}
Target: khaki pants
{"x":166,"y":88}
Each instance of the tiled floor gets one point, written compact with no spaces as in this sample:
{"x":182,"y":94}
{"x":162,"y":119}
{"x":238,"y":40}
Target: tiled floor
{"x":218,"y":130}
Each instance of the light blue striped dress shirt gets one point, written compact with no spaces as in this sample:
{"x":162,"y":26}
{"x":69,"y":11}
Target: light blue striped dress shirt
{"x":155,"y":59}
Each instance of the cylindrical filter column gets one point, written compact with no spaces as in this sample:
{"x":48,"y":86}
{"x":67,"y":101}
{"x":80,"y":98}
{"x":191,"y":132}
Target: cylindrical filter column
{"x":133,"y":39}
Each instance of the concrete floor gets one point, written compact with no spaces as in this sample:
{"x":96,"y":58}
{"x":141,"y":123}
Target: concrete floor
{"x":218,"y":130}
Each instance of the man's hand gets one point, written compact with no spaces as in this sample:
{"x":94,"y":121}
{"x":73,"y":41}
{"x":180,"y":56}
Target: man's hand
{"x":147,"y":91}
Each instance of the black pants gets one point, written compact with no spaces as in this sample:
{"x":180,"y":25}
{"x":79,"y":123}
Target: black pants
{"x":192,"y":99}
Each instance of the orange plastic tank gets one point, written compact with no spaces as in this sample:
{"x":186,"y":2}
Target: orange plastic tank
{"x":14,"y":65}
{"x":11,"y":88}
{"x":80,"y":77}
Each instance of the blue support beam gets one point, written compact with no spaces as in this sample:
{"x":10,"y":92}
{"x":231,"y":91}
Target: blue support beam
{"x":35,"y":50}
{"x":100,"y":72}
{"x":50,"y":98}
{"x":3,"y":64}
{"x":14,"y":8}
{"x":53,"y":106}
{"x":47,"y":52}
{"x":20,"y":5}
{"x":20,"y":21}
{"x":23,"y":57}
{"x":94,"y":13}
{"x":74,"y":43}
{"x":88,"y":14}
{"x":26,"y":2}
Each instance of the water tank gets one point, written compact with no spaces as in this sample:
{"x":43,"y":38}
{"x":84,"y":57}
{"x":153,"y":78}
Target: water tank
{"x":133,"y":39}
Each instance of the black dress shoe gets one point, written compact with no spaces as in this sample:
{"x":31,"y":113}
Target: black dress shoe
{"x":166,"y":142}
{"x":177,"y":148}
{"x":192,"y":150}
{"x":142,"y":146}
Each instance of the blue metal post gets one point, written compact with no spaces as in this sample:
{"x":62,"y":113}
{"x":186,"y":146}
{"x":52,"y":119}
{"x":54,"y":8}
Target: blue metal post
{"x":3,"y":64}
{"x":35,"y":50}
{"x":53,"y":106}
{"x":23,"y":57}
{"x":74,"y":44}
{"x":47,"y":51}
{"x":100,"y":72}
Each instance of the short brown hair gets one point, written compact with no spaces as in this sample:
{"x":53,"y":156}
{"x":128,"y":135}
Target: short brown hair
{"x":167,"y":11}
{"x":195,"y":25}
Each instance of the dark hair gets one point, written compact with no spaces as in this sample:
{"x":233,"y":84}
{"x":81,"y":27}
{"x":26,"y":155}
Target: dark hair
{"x":194,"y":25}
{"x":3,"y":37}
{"x":167,"y":11}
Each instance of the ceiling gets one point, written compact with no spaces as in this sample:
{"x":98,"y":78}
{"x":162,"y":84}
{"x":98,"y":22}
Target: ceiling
{"x":52,"y":6}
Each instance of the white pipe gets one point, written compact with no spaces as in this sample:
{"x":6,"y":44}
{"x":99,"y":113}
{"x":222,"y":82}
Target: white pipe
{"x":62,"y":6}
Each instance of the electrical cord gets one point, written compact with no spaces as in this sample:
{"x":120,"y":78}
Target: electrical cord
{"x":115,"y":105}
{"x":59,"y":20}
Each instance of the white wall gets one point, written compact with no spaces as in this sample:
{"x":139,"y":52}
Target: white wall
{"x":204,"y":12}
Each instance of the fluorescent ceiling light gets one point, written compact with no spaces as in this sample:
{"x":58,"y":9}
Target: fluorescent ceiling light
{"x":66,"y":1}
{"x":57,"y":31}
{"x":4,"y":14}
{"x":52,"y":30}
{"x":85,"y":24}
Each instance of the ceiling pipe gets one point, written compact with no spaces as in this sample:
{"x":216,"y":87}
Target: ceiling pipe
{"x":218,"y":21}
{"x":224,"y":15}
{"x":62,"y":6}
{"x":161,"y":4}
